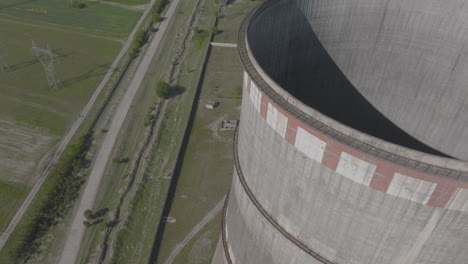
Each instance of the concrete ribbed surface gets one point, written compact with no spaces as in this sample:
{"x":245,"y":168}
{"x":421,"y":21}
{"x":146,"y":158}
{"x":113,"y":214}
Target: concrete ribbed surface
{"x":308,"y":183}
{"x":390,"y":68}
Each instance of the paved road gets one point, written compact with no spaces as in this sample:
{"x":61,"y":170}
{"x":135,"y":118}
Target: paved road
{"x":194,"y":231}
{"x":45,"y":165}
{"x":77,"y":229}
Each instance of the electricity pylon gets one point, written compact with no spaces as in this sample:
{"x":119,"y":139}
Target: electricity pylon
{"x":47,"y":58}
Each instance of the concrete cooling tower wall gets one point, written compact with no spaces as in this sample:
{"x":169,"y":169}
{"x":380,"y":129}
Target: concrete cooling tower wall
{"x":351,"y":112}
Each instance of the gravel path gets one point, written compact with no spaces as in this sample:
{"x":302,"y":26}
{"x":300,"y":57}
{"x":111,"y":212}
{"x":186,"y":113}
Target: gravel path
{"x":194,"y":231}
{"x":76,"y":231}
{"x":52,"y":157}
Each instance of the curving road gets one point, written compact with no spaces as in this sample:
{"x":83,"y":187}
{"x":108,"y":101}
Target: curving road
{"x":76,"y":231}
{"x":45,"y":165}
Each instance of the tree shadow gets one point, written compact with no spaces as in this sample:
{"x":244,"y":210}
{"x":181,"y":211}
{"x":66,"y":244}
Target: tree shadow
{"x":102,"y":212}
{"x":176,"y":91}
{"x":20,"y":65}
{"x":97,"y":222}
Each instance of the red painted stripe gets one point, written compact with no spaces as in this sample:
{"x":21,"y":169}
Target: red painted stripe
{"x":291,"y":130}
{"x":382,"y":177}
{"x":442,"y":194}
{"x":264,"y":106}
{"x":332,"y":154}
{"x":384,"y":169}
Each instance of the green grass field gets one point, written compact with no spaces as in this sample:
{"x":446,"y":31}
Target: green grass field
{"x":24,"y":94}
{"x":33,"y":117}
{"x":200,"y":188}
{"x":10,"y":197}
{"x":94,"y":16}
{"x":234,"y":14}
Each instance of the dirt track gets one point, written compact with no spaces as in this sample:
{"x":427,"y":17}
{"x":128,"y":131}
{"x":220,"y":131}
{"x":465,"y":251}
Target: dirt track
{"x":194,"y":231}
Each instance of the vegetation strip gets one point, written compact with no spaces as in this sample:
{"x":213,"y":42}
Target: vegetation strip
{"x":127,"y":220}
{"x":132,"y":176}
{"x":180,"y":154}
{"x":76,"y":231}
{"x":157,"y":9}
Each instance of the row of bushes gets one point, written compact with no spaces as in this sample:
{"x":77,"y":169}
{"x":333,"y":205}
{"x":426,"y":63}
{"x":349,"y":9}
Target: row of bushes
{"x":141,"y":36}
{"x":65,"y":182}
{"x":158,"y":8}
{"x":138,"y":42}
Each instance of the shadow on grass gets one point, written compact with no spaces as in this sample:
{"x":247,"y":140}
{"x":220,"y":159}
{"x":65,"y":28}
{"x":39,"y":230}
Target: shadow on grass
{"x":98,"y":70}
{"x":177,"y":167}
{"x":102,"y":212}
{"x":27,"y":63}
{"x":176,"y":91}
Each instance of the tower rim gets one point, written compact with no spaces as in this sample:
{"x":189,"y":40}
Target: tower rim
{"x":399,"y":155}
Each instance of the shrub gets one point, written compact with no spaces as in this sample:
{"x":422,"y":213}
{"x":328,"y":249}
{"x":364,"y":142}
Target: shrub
{"x":148,"y":118}
{"x":163,"y":90}
{"x":77,"y":4}
{"x":215,"y":30}
{"x":156,"y":17}
{"x":200,"y":37}
{"x":138,"y":42}
{"x":88,"y":214}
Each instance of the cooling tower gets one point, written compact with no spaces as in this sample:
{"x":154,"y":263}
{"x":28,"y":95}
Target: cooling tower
{"x":353,"y":136}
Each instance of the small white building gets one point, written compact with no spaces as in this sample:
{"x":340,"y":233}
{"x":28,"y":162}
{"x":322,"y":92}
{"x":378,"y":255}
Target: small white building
{"x":211,"y":104}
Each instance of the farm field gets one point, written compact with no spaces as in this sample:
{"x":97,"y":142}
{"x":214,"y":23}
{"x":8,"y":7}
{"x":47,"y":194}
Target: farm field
{"x":95,"y":16}
{"x":33,"y":117}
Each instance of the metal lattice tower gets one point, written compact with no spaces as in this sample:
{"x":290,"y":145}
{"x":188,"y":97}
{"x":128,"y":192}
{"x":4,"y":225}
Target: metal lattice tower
{"x":47,"y":58}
